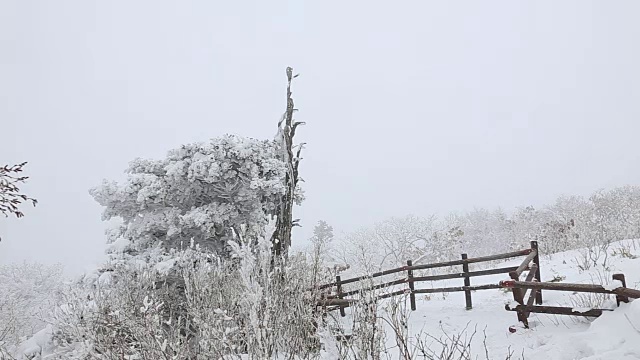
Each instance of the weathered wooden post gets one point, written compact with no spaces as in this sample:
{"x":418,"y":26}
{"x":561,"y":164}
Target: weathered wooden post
{"x":534,"y":247}
{"x":467,"y":282}
{"x":339,"y":294}
{"x":412,"y":295}
{"x":621,"y":298}
{"x":518,"y":296}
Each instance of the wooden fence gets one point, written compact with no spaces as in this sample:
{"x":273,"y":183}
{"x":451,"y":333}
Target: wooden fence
{"x":340,"y":298}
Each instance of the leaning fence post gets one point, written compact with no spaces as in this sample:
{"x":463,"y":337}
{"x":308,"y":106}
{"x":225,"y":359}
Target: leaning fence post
{"x":518,"y":296}
{"x":534,"y":247}
{"x":467,"y":282}
{"x":339,"y":294}
{"x":621,"y":298}
{"x":412,"y":295}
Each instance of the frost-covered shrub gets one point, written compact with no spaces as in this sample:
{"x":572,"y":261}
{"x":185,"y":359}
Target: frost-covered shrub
{"x":266,"y":309}
{"x":201,"y":306}
{"x":28,"y":292}
{"x":133,"y":310}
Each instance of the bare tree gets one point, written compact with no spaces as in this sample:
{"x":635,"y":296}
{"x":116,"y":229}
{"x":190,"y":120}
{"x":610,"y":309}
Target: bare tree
{"x":10,"y":195}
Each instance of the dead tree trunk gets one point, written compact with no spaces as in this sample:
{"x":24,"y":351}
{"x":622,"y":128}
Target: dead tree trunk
{"x":281,"y":238}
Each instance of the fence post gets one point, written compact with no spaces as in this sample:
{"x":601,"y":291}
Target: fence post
{"x":339,"y":294}
{"x":534,"y":246}
{"x":621,"y":298}
{"x":518,"y":296}
{"x":412,"y":295}
{"x":467,"y":282}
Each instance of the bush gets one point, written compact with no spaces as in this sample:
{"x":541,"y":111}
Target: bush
{"x":204,"y":307}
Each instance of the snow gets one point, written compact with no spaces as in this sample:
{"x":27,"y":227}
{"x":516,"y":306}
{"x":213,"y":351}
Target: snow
{"x":583,"y":309}
{"x":614,"y":335}
{"x":118,"y":246}
{"x":513,"y":304}
{"x":105,"y":278}
{"x":164,"y":267}
{"x":614,"y":285}
{"x":40,"y":343}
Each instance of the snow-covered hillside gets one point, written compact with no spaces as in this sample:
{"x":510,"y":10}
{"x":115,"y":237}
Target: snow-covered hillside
{"x":615,"y":335}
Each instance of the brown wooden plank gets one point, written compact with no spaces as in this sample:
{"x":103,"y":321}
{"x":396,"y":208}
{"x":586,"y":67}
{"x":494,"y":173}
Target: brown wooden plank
{"x":557,"y":286}
{"x":467,"y":283}
{"x":336,"y":302}
{"x":457,"y":288}
{"x":536,"y":260}
{"x":412,"y":296}
{"x":631,"y":293}
{"x":499,"y":256}
{"x":438,"y":277}
{"x":532,"y":272}
{"x":525,"y":263}
{"x":505,"y":270}
{"x":344,"y":303}
{"x":473,"y":260}
{"x":532,"y":297}
{"x":621,"y":298}
{"x":374,"y":275}
{"x":376,"y":287}
{"x":518,"y":296}
{"x":590,"y":288}
{"x":339,"y":294}
{"x":391,"y":294}
{"x":437,"y":265}
{"x":555,"y":310}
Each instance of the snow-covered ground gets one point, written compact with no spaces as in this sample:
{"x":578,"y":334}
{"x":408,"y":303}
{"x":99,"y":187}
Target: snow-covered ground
{"x":615,"y":335}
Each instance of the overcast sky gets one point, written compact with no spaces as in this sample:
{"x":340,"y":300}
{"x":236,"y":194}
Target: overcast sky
{"x":413,"y":107}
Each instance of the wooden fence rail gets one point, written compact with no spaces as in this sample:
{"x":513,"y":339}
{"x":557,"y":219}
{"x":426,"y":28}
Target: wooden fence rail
{"x":339,"y":300}
{"x":623,"y":294}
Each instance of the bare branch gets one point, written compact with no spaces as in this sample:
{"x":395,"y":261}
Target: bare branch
{"x":10,"y":196}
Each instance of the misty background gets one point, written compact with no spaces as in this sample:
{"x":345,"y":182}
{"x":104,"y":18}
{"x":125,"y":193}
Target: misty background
{"x":412,"y":107}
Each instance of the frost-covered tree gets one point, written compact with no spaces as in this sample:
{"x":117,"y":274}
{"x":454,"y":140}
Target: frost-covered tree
{"x":388,"y":244}
{"x":323,"y":254}
{"x":202,"y":193}
{"x":446,"y":242}
{"x":321,"y":241}
{"x":322,"y":233}
{"x":209,"y":193}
